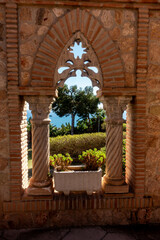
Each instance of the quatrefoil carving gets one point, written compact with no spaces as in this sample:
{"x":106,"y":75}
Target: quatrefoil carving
{"x":84,"y":59}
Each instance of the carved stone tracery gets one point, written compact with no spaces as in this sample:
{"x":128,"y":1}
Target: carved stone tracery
{"x":85,"y":63}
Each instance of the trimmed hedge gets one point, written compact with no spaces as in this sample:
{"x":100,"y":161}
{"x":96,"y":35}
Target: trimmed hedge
{"x":74,"y":145}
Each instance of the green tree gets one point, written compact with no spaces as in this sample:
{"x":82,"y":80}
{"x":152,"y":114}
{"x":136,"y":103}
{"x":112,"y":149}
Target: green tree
{"x":73,"y":101}
{"x":94,"y":124}
{"x":29,"y":130}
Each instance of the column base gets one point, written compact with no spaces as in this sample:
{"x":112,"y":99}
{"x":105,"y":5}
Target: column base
{"x":114,"y":188}
{"x":35,"y":191}
{"x":41,"y":188}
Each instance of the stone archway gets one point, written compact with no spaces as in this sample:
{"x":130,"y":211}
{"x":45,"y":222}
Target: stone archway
{"x":101,"y":52}
{"x":82,"y":21}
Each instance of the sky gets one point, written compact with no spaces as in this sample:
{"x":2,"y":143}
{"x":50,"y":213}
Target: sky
{"x":80,"y":81}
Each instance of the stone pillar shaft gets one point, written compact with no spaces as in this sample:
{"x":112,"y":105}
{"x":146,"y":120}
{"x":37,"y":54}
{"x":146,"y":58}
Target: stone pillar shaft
{"x":40,"y":107}
{"x":40,"y":150}
{"x":114,"y":107}
{"x":114,"y":139}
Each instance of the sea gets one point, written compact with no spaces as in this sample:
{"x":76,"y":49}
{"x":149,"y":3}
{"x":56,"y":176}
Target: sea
{"x":58,"y":121}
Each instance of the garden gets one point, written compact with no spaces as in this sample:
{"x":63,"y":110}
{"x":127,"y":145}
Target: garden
{"x":80,"y":147}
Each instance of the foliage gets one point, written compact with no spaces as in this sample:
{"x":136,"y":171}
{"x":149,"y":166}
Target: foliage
{"x":124,"y":127}
{"x":124,"y":156}
{"x":29,"y":130}
{"x":29,"y":125}
{"x":61,"y":160}
{"x":93,"y":159}
{"x":75,"y":144}
{"x":74,"y":102}
{"x":93,"y":124}
{"x":64,"y":130}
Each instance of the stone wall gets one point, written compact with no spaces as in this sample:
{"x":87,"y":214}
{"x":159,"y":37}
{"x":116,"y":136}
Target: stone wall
{"x":122,"y":27}
{"x":134,"y":31}
{"x":35,"y":22}
{"x":153,"y":109}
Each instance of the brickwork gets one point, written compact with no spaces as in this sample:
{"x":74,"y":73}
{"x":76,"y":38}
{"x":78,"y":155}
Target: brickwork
{"x":78,"y":210}
{"x":4,"y":123}
{"x":140,"y":102}
{"x":14,"y":108}
{"x":121,"y":29}
{"x":124,"y":36}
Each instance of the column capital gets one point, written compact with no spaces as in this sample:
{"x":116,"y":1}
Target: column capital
{"x":40,"y":107}
{"x":115,"y":106}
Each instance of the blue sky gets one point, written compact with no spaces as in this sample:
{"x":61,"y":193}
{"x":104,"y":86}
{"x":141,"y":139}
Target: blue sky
{"x":81,"y":82}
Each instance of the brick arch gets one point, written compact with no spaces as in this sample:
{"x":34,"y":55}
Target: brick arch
{"x":57,"y":37}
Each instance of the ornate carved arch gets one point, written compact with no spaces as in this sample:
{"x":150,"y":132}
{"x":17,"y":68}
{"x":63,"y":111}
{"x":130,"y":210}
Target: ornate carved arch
{"x":85,"y":62}
{"x":90,"y":31}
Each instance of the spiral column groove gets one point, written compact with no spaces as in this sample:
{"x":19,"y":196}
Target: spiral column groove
{"x":40,"y":107}
{"x":40,"y":149}
{"x":114,"y":107}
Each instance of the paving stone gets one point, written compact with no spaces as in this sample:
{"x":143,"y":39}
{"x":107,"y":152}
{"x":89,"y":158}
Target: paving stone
{"x":1,"y":233}
{"x":11,"y":234}
{"x":54,"y":234}
{"x":93,"y":233}
{"x":118,"y":236}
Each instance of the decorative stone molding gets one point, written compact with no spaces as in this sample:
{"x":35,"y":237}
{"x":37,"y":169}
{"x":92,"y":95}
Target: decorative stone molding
{"x":72,"y":63}
{"x":114,"y":107}
{"x":78,"y":24}
{"x":40,"y":107}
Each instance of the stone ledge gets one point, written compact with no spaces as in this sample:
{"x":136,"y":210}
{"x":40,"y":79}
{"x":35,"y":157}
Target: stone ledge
{"x":33,"y":191}
{"x":116,"y":189}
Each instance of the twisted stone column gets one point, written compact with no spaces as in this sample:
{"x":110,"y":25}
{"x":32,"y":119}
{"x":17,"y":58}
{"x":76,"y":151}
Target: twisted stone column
{"x":40,"y":107}
{"x":114,"y":107}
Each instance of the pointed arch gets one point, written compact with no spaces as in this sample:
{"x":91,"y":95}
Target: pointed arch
{"x":47,"y":57}
{"x":87,"y":61}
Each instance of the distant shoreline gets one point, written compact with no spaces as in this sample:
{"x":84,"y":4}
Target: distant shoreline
{"x":58,"y":121}
{"x":55,"y":120}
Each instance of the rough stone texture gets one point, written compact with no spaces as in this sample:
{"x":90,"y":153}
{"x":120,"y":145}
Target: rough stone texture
{"x":34,"y":21}
{"x":96,"y":12}
{"x":25,"y":78}
{"x":121,"y":25}
{"x":27,"y":30}
{"x":118,"y":236}
{"x":86,"y":233}
{"x":81,"y":218}
{"x":152,"y":186}
{"x":34,"y":24}
{"x":26,"y":62}
{"x":141,"y":232}
{"x":107,"y":18}
{"x":58,"y":11}
{"x":154,"y":52}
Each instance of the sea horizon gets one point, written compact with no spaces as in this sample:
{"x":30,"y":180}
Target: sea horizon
{"x":58,"y":121}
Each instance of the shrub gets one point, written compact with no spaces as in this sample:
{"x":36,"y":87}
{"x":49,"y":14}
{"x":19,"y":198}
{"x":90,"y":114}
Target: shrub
{"x":74,"y":145}
{"x":93,"y":159}
{"x":61,"y":160}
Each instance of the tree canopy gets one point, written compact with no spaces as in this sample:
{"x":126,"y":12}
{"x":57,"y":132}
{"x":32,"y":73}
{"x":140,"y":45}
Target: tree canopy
{"x":73,"y":101}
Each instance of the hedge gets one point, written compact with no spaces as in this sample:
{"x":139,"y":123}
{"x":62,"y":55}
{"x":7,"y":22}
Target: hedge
{"x":74,"y":145}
